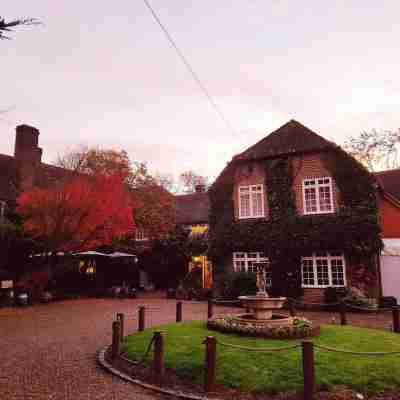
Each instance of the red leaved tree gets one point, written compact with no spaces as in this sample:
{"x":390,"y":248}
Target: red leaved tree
{"x":81,"y":214}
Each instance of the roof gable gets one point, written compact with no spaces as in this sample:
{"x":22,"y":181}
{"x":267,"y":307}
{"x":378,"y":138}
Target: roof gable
{"x":293,"y":137}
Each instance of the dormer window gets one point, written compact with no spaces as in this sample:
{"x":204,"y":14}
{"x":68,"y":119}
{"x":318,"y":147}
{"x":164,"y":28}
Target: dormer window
{"x":251,"y":201}
{"x":317,"y":196}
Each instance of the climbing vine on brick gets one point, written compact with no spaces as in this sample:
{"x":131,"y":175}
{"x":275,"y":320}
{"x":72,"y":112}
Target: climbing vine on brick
{"x":286,"y":236}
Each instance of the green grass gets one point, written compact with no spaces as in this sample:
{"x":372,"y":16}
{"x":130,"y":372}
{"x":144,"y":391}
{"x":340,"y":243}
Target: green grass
{"x":282,"y":371}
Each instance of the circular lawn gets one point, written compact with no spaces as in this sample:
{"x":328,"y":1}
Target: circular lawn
{"x":278,"y":371}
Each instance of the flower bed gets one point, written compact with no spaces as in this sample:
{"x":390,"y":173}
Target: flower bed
{"x":300,"y":328}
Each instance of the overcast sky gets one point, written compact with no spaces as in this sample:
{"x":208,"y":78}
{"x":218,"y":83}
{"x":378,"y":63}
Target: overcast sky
{"x":102,"y":73}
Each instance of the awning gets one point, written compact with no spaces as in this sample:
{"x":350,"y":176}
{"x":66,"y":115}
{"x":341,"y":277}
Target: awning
{"x":391,"y":247}
{"x":90,"y":253}
{"x":117,"y":254}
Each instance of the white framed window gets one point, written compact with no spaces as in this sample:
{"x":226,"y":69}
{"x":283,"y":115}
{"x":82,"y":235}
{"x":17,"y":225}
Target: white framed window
{"x":318,"y":195}
{"x":140,"y":235}
{"x":249,"y":262}
{"x":323,"y":269}
{"x":251,"y":201}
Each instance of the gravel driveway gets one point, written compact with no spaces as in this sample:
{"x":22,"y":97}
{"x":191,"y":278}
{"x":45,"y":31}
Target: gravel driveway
{"x":48,"y":351}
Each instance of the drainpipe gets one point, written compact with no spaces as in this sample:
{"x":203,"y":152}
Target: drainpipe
{"x":379,"y":273}
{"x":2,"y":211}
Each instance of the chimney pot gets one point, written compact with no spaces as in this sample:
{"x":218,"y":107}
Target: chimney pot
{"x":200,"y":188}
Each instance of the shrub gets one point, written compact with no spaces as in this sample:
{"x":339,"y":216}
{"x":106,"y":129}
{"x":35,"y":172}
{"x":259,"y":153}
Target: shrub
{"x":357,"y":298}
{"x":235,"y":284}
{"x":193,"y":280}
{"x":387,"y":301}
{"x":334,"y":294}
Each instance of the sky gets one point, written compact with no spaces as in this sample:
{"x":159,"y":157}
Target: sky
{"x":102,"y":73}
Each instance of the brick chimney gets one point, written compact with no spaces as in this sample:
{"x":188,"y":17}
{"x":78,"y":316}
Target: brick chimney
{"x":200,"y":188}
{"x":28,"y":154}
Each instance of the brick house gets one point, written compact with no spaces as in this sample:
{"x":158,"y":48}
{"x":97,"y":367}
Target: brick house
{"x":192,"y":212}
{"x":389,"y":212}
{"x":25,"y":169}
{"x":389,"y":202}
{"x":280,"y":204}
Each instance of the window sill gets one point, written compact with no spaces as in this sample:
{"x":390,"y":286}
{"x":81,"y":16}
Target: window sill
{"x":319,"y":212}
{"x":322,"y":287}
{"x":258,"y":217}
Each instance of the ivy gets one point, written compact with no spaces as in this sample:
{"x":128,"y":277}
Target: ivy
{"x":286,"y":236}
{"x":279,"y":181}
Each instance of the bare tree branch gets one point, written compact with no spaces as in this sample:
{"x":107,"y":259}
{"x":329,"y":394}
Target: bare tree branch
{"x":11,"y":25}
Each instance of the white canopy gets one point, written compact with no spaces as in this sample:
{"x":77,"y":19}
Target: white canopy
{"x":391,"y":247}
{"x":120,"y":254}
{"x":91,"y":253}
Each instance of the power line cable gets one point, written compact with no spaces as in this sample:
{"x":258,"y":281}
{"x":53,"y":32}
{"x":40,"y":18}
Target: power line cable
{"x":191,"y":70}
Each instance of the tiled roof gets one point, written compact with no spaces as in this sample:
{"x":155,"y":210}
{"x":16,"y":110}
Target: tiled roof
{"x":45,"y":176}
{"x":48,"y":175}
{"x":390,"y":181}
{"x":8,"y":177}
{"x":293,"y":137}
{"x":192,"y":208}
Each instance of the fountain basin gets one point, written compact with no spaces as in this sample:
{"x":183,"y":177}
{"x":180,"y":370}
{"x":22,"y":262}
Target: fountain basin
{"x":278,"y":327}
{"x":262,"y":306}
{"x":276,"y":320}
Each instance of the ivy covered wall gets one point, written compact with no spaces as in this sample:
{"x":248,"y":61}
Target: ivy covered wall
{"x":286,"y":236}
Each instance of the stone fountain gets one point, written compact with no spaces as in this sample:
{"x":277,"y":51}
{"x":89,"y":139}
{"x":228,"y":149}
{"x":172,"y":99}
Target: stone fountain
{"x":261,"y":317}
{"x":262,"y":307}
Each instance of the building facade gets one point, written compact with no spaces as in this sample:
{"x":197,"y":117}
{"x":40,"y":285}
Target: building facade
{"x":301,"y":207}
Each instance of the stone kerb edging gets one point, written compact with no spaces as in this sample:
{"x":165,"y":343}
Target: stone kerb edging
{"x":101,"y":359}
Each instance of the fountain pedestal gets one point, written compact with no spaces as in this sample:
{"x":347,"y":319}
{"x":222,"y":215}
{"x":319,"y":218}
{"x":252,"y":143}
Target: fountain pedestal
{"x":261,"y":306}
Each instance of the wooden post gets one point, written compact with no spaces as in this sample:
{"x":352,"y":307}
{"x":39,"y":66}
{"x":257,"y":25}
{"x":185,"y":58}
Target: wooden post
{"x":158,"y":360}
{"x":179,"y":311}
{"x":210,"y":306}
{"x":396,"y":319}
{"x":141,"y":321}
{"x":308,"y":369}
{"x":343,"y":318}
{"x":292,"y":309}
{"x":210,"y":363}
{"x":116,"y":340}
{"x":121,"y":319}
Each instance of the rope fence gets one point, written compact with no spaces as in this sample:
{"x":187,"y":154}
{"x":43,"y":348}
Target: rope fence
{"x":357,"y":353}
{"x":157,"y":346}
{"x":258,"y":349}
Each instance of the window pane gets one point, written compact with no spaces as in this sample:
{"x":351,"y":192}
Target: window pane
{"x":310,"y":195}
{"x":257,"y":204}
{"x":322,"y":272}
{"x":325,"y":198}
{"x":244,"y":205}
{"x":252,"y":266}
{"x":337,"y":272}
{"x":238,"y":255}
{"x":307,"y":272}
